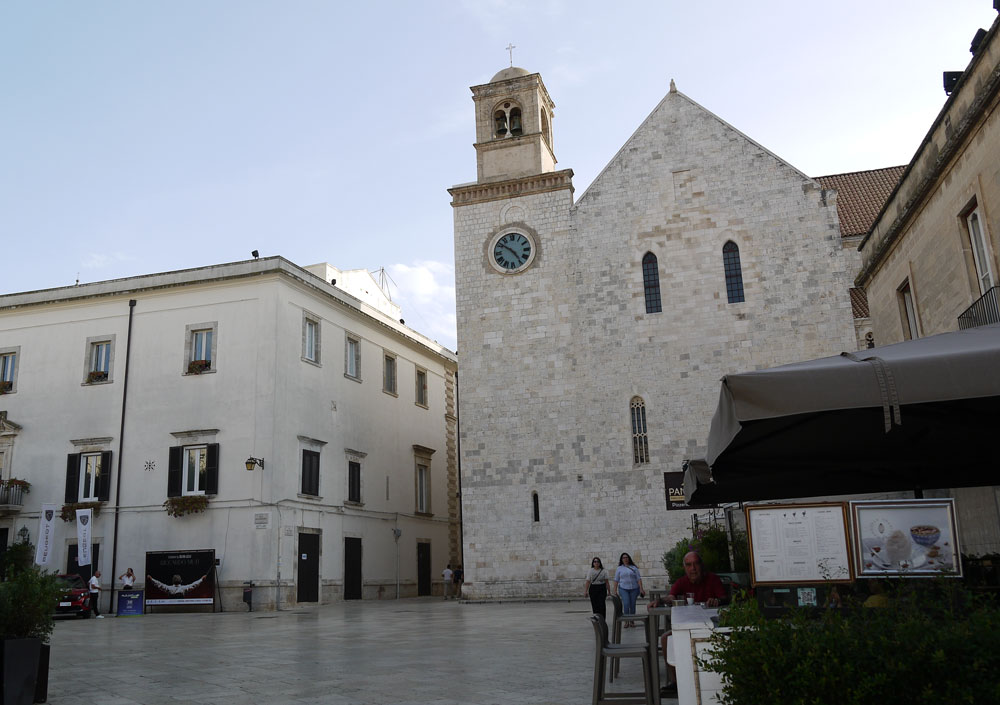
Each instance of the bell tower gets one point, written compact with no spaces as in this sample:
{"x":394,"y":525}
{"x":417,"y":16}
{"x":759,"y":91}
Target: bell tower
{"x":513,"y":126}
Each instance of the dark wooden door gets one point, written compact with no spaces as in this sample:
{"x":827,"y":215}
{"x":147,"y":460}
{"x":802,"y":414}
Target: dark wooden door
{"x":84,"y":571}
{"x":423,"y":569}
{"x":352,"y":568}
{"x":308,"y":568}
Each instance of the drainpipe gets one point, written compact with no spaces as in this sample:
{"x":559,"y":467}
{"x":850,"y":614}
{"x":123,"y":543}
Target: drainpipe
{"x":458,"y":452}
{"x":396,"y":532}
{"x":121,"y":444}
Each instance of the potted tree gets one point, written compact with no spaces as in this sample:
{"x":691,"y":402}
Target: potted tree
{"x":27,"y":600}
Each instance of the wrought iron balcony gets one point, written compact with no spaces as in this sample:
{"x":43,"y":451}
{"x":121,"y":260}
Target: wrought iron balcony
{"x":985,"y":311}
{"x":12,"y":495}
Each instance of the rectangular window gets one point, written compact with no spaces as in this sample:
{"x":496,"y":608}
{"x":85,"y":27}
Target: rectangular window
{"x":389,"y":374}
{"x":310,"y":472}
{"x":201,"y":347}
{"x":908,"y":312}
{"x":100,"y":359}
{"x":980,"y":253}
{"x":422,"y":388}
{"x":352,"y":361}
{"x":353,"y":481}
{"x":423,"y":489}
{"x":195,"y":470}
{"x":90,"y":476}
{"x":310,"y":339}
{"x":8,"y":370}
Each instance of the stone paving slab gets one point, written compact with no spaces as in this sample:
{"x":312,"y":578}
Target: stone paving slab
{"x":420,"y":651}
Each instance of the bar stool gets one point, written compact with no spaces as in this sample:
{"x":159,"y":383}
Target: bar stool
{"x":616,"y":632}
{"x":606,"y":653}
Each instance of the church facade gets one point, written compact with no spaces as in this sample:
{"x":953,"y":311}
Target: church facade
{"x":592,"y":333}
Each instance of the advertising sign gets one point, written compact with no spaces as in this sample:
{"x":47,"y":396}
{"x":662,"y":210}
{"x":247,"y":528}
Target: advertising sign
{"x":799,"y":543}
{"x":907,"y":538}
{"x":180,"y":577}
{"x":84,"y":519}
{"x":43,"y":551}
{"x":129,"y":603}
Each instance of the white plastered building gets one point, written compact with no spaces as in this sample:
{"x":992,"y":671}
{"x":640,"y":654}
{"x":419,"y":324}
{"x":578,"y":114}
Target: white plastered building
{"x":130,"y":393}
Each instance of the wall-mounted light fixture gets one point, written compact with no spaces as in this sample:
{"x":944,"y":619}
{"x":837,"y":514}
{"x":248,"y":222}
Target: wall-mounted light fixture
{"x":23,"y":534}
{"x":251,"y":461}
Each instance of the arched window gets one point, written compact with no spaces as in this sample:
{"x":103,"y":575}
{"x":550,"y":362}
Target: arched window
{"x":640,"y":440}
{"x":734,"y":273}
{"x":515,"y":121}
{"x":651,"y":283}
{"x":546,"y":132}
{"x":507,"y":121}
{"x":534,"y":506}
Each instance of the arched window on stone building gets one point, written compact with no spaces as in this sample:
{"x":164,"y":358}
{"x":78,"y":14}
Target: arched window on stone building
{"x":734,"y":273}
{"x":640,"y":439}
{"x":507,"y":120}
{"x":534,"y":506}
{"x":651,"y":283}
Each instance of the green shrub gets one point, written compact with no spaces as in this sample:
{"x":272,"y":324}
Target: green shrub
{"x":713,"y":546}
{"x":27,"y":600}
{"x":933,"y":644}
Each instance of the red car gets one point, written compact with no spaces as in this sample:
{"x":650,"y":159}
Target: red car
{"x":75,"y":599}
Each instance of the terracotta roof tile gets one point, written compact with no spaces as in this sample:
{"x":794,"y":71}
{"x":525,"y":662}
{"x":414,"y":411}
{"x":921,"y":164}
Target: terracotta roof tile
{"x":859,"y":303}
{"x":860,"y":197}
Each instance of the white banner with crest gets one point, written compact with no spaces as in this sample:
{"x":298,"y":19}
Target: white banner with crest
{"x":84,"y":518}
{"x":43,"y":549}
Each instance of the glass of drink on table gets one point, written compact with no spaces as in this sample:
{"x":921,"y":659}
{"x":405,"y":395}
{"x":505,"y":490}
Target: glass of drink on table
{"x":690,"y":598}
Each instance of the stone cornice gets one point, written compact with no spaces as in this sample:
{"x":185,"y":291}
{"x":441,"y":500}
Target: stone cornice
{"x":498,"y":190}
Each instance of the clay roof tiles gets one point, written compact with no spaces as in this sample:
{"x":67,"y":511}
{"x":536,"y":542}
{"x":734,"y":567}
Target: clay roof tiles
{"x":860,"y":196}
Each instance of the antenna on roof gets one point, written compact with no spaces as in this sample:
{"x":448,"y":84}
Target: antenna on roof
{"x":384,"y":280}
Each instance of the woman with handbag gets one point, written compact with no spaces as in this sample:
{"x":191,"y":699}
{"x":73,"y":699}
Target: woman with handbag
{"x":596,"y":587}
{"x":627,"y":584}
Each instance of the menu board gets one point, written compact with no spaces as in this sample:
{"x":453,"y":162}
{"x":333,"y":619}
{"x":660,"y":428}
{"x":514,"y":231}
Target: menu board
{"x":799,"y":543}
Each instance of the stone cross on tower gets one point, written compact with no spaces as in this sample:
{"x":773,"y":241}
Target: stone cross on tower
{"x":510,"y":49}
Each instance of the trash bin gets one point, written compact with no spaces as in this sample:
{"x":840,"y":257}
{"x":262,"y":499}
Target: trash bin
{"x":248,"y":596}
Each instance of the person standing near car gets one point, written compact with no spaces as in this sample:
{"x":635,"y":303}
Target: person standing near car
{"x":95,"y":593}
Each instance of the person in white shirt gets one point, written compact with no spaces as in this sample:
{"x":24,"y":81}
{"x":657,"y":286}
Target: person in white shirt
{"x":446,"y":575}
{"x":128,"y":579}
{"x":95,"y":593}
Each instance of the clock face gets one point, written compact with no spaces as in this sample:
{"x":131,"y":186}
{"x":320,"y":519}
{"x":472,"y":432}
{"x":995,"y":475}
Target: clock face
{"x":512,"y":252}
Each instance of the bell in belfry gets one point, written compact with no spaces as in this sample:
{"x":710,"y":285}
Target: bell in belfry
{"x":515,"y":122}
{"x":500,"y":117}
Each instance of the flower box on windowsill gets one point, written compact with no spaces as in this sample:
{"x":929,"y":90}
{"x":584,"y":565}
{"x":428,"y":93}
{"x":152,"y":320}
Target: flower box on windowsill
{"x":95,"y":376}
{"x":6,"y":386}
{"x":12,"y":491}
{"x":68,"y":511}
{"x":196,"y":367}
{"x":187,"y":504}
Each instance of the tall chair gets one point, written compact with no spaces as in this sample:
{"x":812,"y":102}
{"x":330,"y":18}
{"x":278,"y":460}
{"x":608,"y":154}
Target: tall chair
{"x":606,"y":653}
{"x":616,"y":633}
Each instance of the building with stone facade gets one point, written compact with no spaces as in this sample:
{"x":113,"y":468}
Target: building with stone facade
{"x":134,"y":395}
{"x":930,"y":259}
{"x":593,"y":332}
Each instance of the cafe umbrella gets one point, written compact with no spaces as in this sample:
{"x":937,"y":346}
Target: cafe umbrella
{"x":910,"y":416}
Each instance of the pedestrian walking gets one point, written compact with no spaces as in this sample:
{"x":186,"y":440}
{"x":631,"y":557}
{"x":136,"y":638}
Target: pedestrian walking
{"x":95,"y":593}
{"x":596,"y":587}
{"x":458,"y":577}
{"x":446,"y":576}
{"x":627,"y":584}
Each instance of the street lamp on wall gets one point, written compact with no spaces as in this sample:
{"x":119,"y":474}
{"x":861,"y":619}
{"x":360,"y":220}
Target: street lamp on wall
{"x":251,"y":461}
{"x":23,"y":534}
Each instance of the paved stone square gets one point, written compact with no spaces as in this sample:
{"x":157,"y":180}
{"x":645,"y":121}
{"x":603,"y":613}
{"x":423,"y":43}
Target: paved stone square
{"x":412,"y":651}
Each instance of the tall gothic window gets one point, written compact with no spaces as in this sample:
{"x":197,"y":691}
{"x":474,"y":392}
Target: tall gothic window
{"x":651,"y":283}
{"x":734,"y":273}
{"x":640,"y":439}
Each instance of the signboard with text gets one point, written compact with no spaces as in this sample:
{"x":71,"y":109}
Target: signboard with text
{"x":799,"y":543}
{"x":129,"y":603}
{"x":180,"y":577}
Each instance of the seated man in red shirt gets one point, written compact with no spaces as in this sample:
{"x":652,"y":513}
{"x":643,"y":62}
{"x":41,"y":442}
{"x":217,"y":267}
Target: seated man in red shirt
{"x":707,"y":588}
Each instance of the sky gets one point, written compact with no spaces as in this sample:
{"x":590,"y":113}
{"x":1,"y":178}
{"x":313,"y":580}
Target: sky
{"x":142,"y":137}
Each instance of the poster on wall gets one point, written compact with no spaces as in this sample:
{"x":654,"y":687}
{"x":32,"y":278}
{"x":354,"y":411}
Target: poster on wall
{"x":910,"y":538}
{"x":799,"y":543}
{"x":180,"y":577}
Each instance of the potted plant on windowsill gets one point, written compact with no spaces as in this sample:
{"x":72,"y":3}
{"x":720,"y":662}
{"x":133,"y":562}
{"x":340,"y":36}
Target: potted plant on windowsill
{"x":186,"y":504}
{"x":196,"y":367}
{"x":27,"y":599}
{"x":96,"y":376}
{"x":5,"y":386}
{"x":68,"y":511}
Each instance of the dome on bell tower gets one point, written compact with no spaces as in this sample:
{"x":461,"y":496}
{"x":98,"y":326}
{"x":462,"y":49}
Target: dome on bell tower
{"x":509,"y":72}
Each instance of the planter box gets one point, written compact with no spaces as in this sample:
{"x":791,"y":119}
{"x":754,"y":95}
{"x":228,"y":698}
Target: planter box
{"x":18,"y":670}
{"x":42,"y":681}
